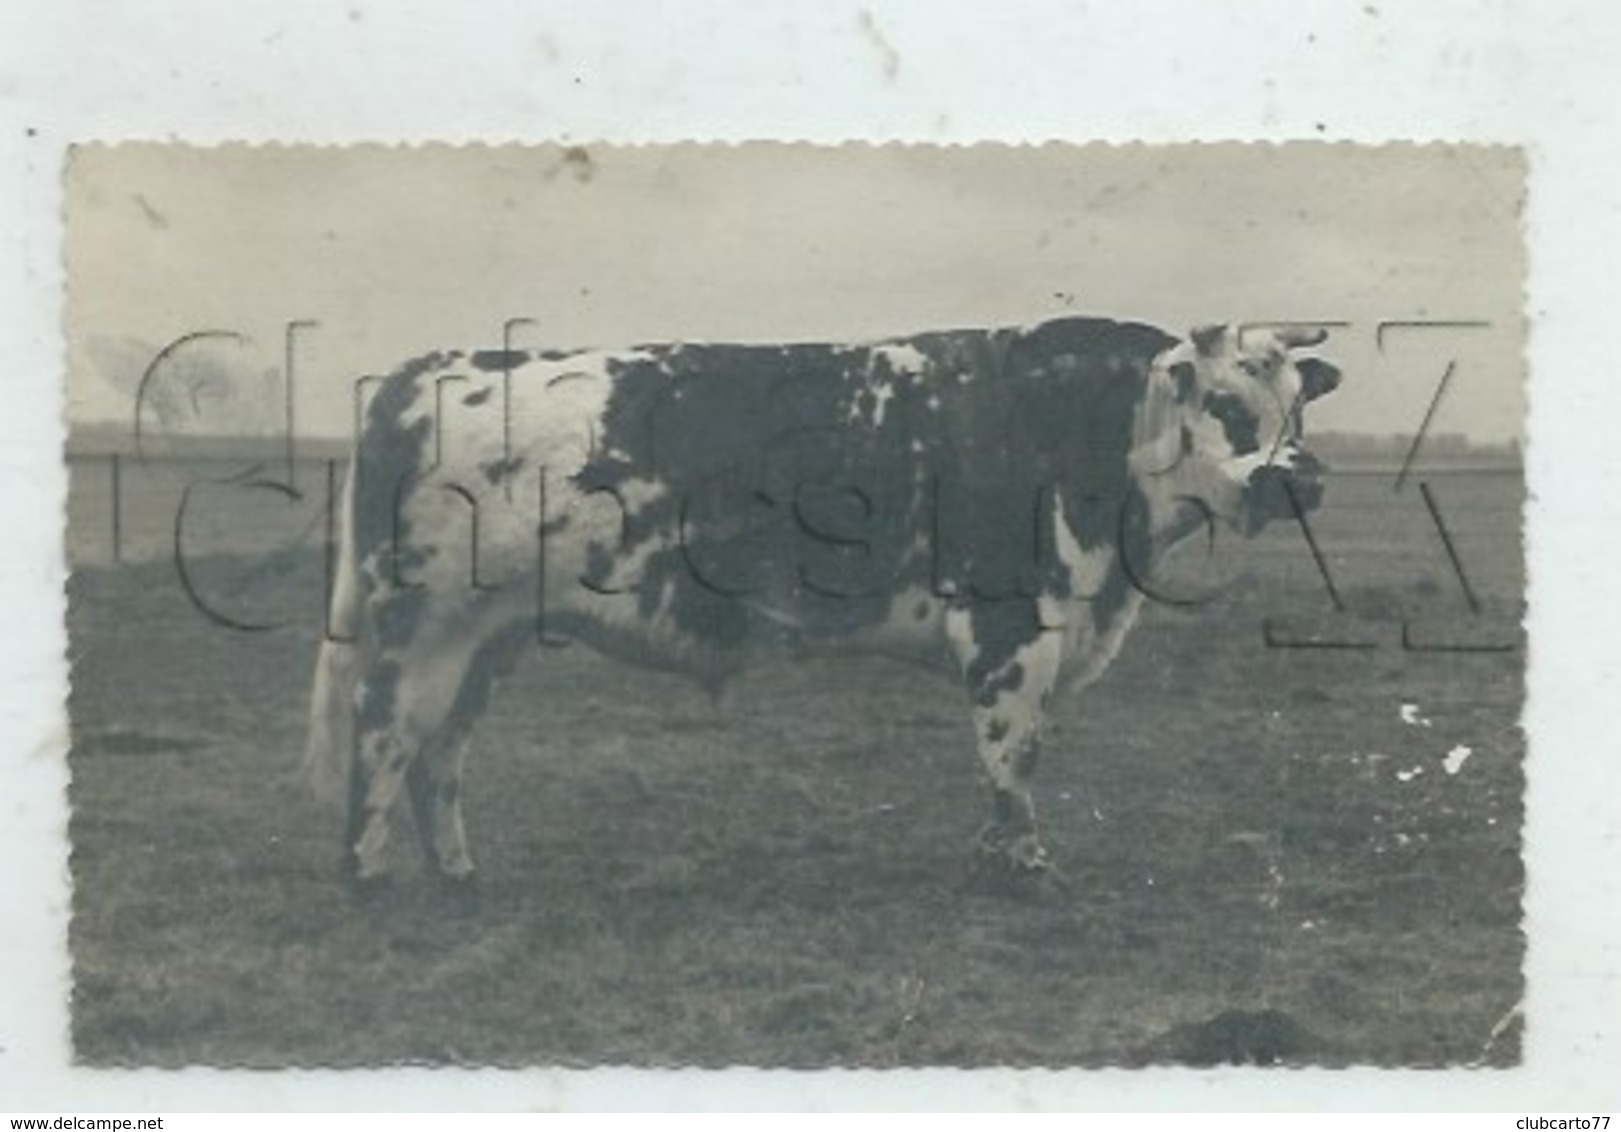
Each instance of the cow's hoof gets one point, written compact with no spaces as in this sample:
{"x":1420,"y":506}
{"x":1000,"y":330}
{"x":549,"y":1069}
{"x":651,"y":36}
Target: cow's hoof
{"x":1020,"y":854}
{"x":1028,"y":856}
{"x":465,"y":893}
{"x":1015,"y":866}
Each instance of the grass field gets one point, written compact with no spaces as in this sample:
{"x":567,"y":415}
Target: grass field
{"x":1268,"y":854}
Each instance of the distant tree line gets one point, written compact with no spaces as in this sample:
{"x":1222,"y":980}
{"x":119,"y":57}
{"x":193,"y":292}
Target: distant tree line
{"x":1382,"y":448}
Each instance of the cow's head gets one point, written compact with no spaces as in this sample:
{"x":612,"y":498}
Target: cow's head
{"x":1240,"y":395}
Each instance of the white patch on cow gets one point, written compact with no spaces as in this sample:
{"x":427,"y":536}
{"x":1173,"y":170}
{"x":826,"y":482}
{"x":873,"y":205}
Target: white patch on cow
{"x":903,"y":624}
{"x":556,"y":407}
{"x":960,"y":635}
{"x":900,"y":360}
{"x":1041,"y":660}
{"x":1088,"y":570}
{"x":1411,"y":716}
{"x":903,"y":358}
{"x":882,"y":395}
{"x":1455,"y":758}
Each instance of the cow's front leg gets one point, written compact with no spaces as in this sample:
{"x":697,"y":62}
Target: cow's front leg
{"x":1010,"y":665}
{"x":1008,"y":753}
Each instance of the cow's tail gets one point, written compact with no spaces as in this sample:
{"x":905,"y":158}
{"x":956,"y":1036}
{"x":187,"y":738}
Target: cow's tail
{"x":337,"y":669}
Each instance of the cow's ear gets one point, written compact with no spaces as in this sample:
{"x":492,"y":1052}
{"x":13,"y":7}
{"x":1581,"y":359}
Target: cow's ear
{"x":1207,"y":339}
{"x":1317,"y":377}
{"x":1186,"y":379}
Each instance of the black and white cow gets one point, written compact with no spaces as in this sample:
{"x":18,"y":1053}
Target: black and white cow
{"x":994,"y":498}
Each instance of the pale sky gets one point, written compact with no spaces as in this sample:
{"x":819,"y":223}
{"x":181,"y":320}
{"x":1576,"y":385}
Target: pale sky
{"x":395,"y":251}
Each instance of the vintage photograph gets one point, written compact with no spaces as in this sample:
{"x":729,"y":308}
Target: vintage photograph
{"x":796,"y":606}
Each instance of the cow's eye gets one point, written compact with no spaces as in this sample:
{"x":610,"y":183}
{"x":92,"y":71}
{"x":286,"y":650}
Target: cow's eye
{"x":1240,"y":425}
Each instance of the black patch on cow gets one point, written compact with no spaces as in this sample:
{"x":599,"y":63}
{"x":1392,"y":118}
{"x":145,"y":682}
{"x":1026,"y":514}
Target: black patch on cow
{"x":497,"y":470}
{"x":390,"y":453}
{"x":1025,"y":758}
{"x":996,"y":730}
{"x":967,"y":460}
{"x":920,"y":611}
{"x":478,"y":396}
{"x":1059,"y":414}
{"x":1000,"y":630}
{"x":1236,"y":419}
{"x":494,"y":658}
{"x":773,"y":510}
{"x":497,"y":361}
{"x":1317,"y":378}
{"x":1187,"y":381}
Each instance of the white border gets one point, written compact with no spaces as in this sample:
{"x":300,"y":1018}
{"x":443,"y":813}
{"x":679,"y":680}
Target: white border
{"x":1536,"y":74}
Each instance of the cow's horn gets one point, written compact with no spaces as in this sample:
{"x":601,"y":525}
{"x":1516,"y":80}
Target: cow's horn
{"x":1206,"y":339}
{"x":1293,"y":336}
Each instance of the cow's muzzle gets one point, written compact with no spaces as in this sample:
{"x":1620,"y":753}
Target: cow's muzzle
{"x":1285,"y":489}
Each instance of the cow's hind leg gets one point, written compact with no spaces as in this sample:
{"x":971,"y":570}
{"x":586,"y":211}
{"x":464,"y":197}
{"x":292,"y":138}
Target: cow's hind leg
{"x":1010,"y":666}
{"x":417,"y":702}
{"x":434,"y":783}
{"x":435,"y":780}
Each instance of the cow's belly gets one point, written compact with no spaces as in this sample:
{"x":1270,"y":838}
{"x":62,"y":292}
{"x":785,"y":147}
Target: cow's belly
{"x":712,"y":638}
